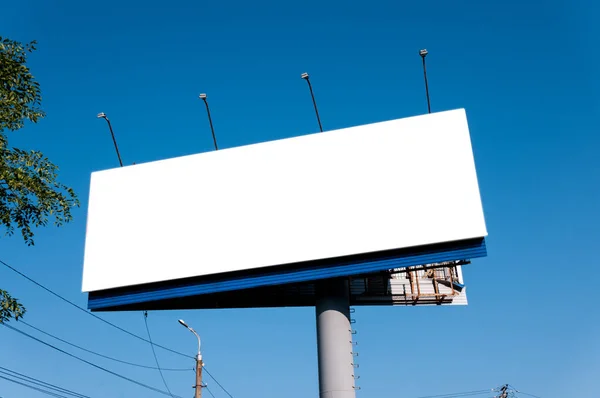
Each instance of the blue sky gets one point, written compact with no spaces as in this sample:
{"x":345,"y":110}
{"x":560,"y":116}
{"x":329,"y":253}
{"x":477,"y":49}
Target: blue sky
{"x":527,"y":76}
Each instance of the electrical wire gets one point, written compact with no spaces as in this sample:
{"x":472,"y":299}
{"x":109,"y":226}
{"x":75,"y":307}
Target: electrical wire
{"x":40,"y":383}
{"x":524,"y":393}
{"x":91,"y":313}
{"x":43,"y":384}
{"x":35,"y":388}
{"x":215,"y":380}
{"x":154,"y":353}
{"x":108,"y":323}
{"x":90,"y":363}
{"x":210,"y":392}
{"x":458,"y":394}
{"x":98,"y":354}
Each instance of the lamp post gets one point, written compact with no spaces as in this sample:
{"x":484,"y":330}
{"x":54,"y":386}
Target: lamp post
{"x":198,"y":386}
{"x":423,"y":53}
{"x":102,"y":115}
{"x":203,"y":98}
{"x":307,"y":78}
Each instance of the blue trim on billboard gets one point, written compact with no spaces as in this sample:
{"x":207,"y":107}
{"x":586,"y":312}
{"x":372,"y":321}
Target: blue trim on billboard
{"x":293,"y":273}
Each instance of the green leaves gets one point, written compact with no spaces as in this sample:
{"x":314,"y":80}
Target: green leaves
{"x":30,"y":195}
{"x":9,"y":307}
{"x":20,"y":94}
{"x":29,"y":192}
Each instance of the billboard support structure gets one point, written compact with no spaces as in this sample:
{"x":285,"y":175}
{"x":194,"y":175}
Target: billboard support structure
{"x":334,"y":336}
{"x":334,"y":340}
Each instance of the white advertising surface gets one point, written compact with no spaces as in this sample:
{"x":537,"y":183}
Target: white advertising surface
{"x":401,"y":183}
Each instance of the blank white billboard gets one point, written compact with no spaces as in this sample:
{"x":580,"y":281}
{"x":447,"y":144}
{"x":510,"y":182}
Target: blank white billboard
{"x":401,"y":183}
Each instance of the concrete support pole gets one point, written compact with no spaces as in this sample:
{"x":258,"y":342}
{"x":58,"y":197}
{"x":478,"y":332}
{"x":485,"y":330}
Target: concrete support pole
{"x":334,"y":340}
{"x":198,"y":385}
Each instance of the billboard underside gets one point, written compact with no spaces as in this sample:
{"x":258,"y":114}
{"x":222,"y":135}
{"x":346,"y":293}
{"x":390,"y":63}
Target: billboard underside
{"x":231,"y":228}
{"x":255,"y":289}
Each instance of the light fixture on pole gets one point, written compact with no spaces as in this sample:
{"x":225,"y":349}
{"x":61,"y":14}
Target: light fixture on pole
{"x":307,"y":78}
{"x":203,"y":98}
{"x":423,"y":53}
{"x":102,"y":115}
{"x":199,"y":364}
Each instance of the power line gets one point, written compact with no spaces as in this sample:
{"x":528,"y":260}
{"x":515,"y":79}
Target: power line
{"x":90,"y":313}
{"x":38,"y":382}
{"x":207,"y":389}
{"x":458,"y":394}
{"x":215,"y":380}
{"x":106,"y":322}
{"x":91,"y":363}
{"x":98,"y":354}
{"x":35,"y":388}
{"x":154,"y":353}
{"x":524,"y":393}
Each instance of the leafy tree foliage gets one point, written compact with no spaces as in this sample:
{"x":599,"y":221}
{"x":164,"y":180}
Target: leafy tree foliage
{"x":30,"y":195}
{"x":9,"y":307}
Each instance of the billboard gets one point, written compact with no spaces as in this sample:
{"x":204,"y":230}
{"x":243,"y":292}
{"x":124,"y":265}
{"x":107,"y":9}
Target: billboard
{"x":315,"y":206}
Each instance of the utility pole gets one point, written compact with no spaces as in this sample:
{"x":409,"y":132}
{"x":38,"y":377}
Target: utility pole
{"x":199,"y":363}
{"x":198,"y":385}
{"x":504,"y":391}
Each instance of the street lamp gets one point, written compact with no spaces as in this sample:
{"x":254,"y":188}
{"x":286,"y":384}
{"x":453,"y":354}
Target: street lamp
{"x":199,"y":364}
{"x":102,"y":115}
{"x":307,"y":78}
{"x":203,"y":98}
{"x":423,"y":53}
{"x":181,"y":321}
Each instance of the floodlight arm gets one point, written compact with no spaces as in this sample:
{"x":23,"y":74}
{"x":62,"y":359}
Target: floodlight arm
{"x":423,"y":53}
{"x":306,"y":77}
{"x":212,"y":130}
{"x":102,"y":115}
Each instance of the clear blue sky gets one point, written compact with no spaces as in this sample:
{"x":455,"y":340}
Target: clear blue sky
{"x":527,"y":76}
